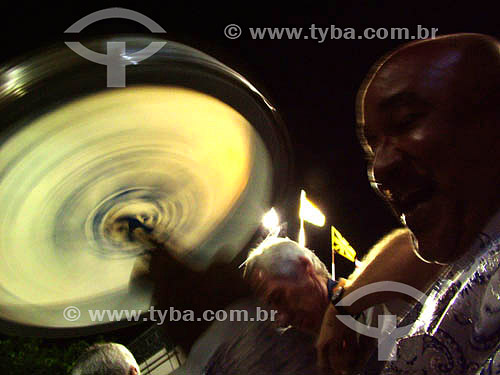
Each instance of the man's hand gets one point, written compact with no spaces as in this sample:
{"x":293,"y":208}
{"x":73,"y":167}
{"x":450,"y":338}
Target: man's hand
{"x":337,"y":346}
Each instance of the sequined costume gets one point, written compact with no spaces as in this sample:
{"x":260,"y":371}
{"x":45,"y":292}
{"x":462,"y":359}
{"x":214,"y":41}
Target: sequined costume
{"x":457,"y":330}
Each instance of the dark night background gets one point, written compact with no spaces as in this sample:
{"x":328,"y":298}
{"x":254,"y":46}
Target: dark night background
{"x":312,"y":84}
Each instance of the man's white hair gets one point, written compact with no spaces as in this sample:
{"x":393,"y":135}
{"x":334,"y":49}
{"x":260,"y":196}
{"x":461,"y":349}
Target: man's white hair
{"x":280,"y":257}
{"x":105,"y":359}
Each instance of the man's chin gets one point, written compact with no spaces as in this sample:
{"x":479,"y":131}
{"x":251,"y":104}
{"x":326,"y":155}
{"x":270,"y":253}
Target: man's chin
{"x":428,"y":257}
{"x":437,"y":248}
{"x":437,"y":230}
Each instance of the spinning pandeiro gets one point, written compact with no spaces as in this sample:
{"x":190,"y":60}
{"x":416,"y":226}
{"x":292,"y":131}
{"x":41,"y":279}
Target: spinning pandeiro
{"x":188,"y":149}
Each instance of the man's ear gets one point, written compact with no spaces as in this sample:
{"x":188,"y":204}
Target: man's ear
{"x":133,"y":370}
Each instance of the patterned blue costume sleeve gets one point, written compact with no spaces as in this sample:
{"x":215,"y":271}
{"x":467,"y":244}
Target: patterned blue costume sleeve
{"x":457,"y":330}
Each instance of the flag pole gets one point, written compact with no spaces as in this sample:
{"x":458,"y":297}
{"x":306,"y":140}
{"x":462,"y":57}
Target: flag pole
{"x":333,"y":265}
{"x":333,"y":253}
{"x":302,"y":234}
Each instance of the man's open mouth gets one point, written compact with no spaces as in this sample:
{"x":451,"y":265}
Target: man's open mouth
{"x":407,"y":202}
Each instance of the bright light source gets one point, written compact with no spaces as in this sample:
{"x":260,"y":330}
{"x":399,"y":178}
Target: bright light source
{"x":309,"y":212}
{"x":271,"y":220}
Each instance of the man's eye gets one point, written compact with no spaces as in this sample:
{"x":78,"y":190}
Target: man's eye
{"x":409,"y":119}
{"x":402,"y":124}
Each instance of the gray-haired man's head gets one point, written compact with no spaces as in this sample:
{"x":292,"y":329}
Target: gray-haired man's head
{"x":292,"y":280}
{"x":106,"y":359}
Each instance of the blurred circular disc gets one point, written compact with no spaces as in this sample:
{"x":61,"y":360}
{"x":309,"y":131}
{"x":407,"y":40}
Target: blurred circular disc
{"x":188,"y":148}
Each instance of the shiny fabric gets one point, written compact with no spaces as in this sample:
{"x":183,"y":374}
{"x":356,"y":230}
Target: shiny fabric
{"x":457,"y":330}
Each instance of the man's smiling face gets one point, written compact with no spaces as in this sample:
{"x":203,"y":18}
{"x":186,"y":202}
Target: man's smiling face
{"x":430,"y":149}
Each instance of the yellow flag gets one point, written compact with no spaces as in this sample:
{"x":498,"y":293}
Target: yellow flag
{"x":309,"y":212}
{"x":341,"y":246}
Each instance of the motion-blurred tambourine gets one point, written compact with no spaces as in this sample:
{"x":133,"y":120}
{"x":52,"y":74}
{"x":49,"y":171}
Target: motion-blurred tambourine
{"x":189,"y":148}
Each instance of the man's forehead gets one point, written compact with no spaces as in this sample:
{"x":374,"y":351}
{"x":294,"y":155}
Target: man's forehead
{"x":411,"y":74}
{"x":273,"y":285}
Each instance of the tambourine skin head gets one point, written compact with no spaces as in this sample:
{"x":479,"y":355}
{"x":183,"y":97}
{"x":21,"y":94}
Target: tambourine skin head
{"x":188,"y":150}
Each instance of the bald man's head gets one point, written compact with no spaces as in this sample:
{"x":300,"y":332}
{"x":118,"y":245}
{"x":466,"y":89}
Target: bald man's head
{"x":429,"y":117}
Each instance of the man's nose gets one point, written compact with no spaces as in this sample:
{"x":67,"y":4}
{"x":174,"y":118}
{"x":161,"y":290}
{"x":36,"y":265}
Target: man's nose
{"x":385,"y":166}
